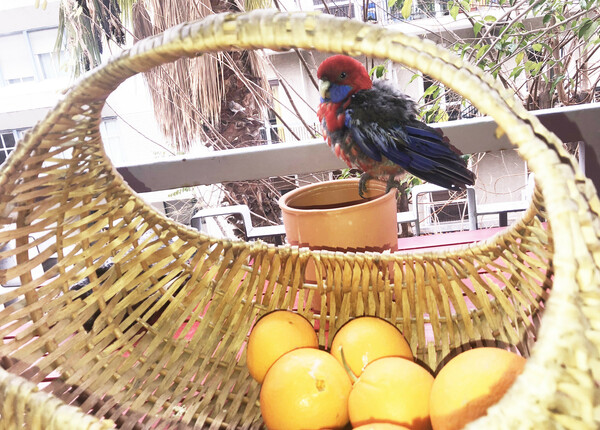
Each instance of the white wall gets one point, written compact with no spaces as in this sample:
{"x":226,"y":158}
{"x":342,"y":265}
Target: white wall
{"x":139,"y":137}
{"x":16,"y":15}
{"x":304,"y":94}
{"x":131,"y":128}
{"x":23,"y":104}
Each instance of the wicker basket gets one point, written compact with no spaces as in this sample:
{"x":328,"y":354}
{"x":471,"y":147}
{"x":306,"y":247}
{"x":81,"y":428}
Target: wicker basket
{"x":157,"y":340}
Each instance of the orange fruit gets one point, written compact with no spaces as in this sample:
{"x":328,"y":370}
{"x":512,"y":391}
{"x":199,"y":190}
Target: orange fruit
{"x":273,"y":335}
{"x":381,"y":426}
{"x":392,"y":390}
{"x":470,"y":383}
{"x":366,"y":339}
{"x":305,"y":389}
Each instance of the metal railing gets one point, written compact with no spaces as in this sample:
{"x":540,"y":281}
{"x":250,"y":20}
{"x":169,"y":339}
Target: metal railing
{"x":292,"y":133}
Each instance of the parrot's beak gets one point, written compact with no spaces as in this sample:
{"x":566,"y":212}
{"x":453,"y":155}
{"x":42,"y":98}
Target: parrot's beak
{"x":324,"y":89}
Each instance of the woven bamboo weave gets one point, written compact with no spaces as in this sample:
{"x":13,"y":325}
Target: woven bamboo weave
{"x":157,"y":340}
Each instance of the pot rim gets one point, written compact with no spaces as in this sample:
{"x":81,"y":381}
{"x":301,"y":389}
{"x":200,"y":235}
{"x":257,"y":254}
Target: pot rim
{"x":339,"y":184}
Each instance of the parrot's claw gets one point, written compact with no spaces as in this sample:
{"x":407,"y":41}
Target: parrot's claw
{"x":392,"y":183}
{"x":362,"y":184}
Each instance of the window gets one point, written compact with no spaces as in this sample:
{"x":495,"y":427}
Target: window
{"x":8,"y":140}
{"x":274,"y":132}
{"x":110,"y":132}
{"x":20,"y":79}
{"x":344,"y":11}
{"x":450,"y":101}
{"x":343,"y":8}
{"x":50,"y":63}
{"x":15,"y":61}
{"x":113,"y":136}
{"x":30,"y":55}
{"x":372,"y":12}
{"x":420,"y":9}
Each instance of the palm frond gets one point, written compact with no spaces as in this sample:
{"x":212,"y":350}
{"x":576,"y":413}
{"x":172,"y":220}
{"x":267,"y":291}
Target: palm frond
{"x":85,"y":25}
{"x":188,"y":94}
{"x":126,"y":7}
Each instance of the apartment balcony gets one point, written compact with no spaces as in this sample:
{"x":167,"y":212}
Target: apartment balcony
{"x":475,"y":135}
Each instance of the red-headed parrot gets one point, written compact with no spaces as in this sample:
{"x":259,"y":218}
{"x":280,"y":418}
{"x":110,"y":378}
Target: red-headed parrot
{"x":373,"y":127}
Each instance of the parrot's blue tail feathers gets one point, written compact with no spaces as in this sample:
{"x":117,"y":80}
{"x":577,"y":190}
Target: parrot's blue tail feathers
{"x":433,"y":160}
{"x":428,"y":134}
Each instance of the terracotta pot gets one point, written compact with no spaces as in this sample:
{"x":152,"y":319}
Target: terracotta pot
{"x":331,"y":215}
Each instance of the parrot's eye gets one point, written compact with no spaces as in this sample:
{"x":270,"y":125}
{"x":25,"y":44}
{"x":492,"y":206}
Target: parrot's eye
{"x":342,"y":75}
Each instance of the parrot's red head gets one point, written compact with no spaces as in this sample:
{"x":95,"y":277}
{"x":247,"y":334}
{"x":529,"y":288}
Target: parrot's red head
{"x":341,"y":76}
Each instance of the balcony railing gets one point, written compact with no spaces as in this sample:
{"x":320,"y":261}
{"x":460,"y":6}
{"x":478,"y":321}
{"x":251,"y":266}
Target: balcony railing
{"x":571,"y":124}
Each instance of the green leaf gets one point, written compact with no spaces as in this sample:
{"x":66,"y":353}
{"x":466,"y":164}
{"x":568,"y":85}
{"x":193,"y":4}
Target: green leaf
{"x":454,"y":10}
{"x":442,"y":116}
{"x":547,"y":18}
{"x":481,"y":51}
{"x":415,"y":76}
{"x":378,"y":71}
{"x":533,"y":67}
{"x":519,"y":26}
{"x":516,"y":72}
{"x":490,"y":18}
{"x":537,"y":47}
{"x":430,"y":90}
{"x":477,"y":28}
{"x":406,"y":8}
{"x":587,"y":29}
{"x":537,"y":7}
{"x":519,"y":57}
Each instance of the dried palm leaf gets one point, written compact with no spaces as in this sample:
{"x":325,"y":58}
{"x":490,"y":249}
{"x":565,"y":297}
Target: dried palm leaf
{"x":190,"y":95}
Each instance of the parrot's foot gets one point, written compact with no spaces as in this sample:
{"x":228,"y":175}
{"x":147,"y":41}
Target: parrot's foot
{"x":362,"y":184}
{"x":392,"y":183}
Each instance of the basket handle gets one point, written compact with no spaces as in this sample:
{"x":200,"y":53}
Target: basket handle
{"x":274,"y":30}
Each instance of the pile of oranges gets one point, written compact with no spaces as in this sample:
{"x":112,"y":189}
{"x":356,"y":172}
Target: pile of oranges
{"x":369,"y":378}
